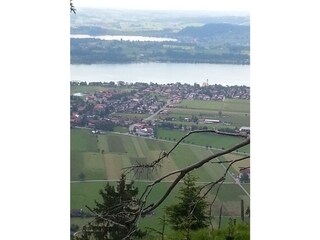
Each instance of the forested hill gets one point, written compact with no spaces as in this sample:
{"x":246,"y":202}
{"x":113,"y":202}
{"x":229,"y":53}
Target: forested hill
{"x":210,"y":43}
{"x":218,"y":30}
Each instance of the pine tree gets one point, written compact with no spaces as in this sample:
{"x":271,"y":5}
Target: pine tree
{"x":114,"y":215}
{"x":190,"y":212}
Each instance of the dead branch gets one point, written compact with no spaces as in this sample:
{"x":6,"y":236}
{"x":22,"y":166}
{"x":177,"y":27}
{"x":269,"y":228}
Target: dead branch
{"x":183,"y":172}
{"x":164,"y":154}
{"x":133,"y":217}
{"x":105,"y":219}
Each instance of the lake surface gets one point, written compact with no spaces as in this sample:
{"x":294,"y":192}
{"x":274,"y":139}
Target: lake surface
{"x":224,"y":74}
{"x":125,"y":38}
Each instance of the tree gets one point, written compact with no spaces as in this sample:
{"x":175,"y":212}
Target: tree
{"x":72,"y":8}
{"x":113,"y":217}
{"x":244,"y":177}
{"x":122,"y":217}
{"x":82,"y":176}
{"x":190,"y":212}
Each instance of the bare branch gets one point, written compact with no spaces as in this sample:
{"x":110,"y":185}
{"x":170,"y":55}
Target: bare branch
{"x":244,"y":168}
{"x":164,"y":154}
{"x":220,"y":180}
{"x":106,"y":219}
{"x":134,"y":216}
{"x":186,"y":170}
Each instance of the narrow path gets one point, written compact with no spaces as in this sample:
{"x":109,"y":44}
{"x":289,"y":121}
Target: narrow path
{"x":236,"y":180}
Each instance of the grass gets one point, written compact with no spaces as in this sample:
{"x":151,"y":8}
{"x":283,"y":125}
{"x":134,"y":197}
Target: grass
{"x":84,"y":148}
{"x":83,"y":140}
{"x":124,"y":150}
{"x":235,"y":112}
{"x":115,"y":144}
{"x":200,"y":104}
{"x":121,"y":129}
{"x":202,"y":139}
{"x":246,"y":186}
{"x":230,"y":196}
{"x":229,"y":105}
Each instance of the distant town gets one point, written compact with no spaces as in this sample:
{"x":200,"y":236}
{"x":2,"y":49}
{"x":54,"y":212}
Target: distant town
{"x":134,"y":105}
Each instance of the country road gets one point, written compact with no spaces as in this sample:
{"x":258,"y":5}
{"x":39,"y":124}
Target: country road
{"x":151,"y":116}
{"x":236,"y":180}
{"x":156,"y":113}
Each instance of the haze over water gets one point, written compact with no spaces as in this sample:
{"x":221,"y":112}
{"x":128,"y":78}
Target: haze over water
{"x":224,"y":74}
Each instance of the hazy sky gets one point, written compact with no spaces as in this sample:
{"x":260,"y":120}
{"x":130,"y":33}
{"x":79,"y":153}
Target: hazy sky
{"x":208,"y":5}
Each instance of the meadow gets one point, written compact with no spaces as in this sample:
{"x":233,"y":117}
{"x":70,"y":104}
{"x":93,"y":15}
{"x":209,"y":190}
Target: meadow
{"x":99,"y":159}
{"x":228,"y":105}
{"x":231,"y":113}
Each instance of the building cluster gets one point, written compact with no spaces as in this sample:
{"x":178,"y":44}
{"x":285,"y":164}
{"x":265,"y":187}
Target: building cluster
{"x":111,"y":106}
{"x":116,"y":103}
{"x":142,"y":129}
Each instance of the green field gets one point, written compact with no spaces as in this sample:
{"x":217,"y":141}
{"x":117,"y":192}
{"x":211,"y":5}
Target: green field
{"x":121,"y":129}
{"x":229,"y":105}
{"x":103,"y":156}
{"x":231,"y":112}
{"x":202,"y":139}
{"x":229,"y":197}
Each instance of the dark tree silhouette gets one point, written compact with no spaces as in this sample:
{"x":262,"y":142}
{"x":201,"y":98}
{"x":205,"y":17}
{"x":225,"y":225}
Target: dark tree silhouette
{"x":190,"y":212}
{"x":113,"y":217}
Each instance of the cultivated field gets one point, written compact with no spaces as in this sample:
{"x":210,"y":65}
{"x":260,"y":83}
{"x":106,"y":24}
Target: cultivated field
{"x":102,"y":157}
{"x":232,"y":112}
{"x":203,"y":139}
{"x":228,"y":105}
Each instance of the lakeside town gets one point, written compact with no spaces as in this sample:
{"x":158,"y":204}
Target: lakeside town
{"x":134,"y":105}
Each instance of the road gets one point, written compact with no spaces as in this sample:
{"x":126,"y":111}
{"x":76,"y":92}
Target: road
{"x":156,"y":113}
{"x":151,"y":116}
{"x":236,"y":180}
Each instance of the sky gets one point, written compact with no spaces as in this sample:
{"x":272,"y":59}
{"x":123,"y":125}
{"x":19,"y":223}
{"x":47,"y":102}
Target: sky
{"x":199,"y":5}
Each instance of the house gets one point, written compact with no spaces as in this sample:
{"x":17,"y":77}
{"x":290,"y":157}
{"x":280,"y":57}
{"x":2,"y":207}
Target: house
{"x":211,"y":121}
{"x":244,"y":174}
{"x":245,"y":130}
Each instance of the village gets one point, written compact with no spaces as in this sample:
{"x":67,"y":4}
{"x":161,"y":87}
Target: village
{"x":131,"y":105}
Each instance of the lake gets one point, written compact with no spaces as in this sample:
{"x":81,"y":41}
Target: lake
{"x":224,"y":74}
{"x":125,"y":38}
